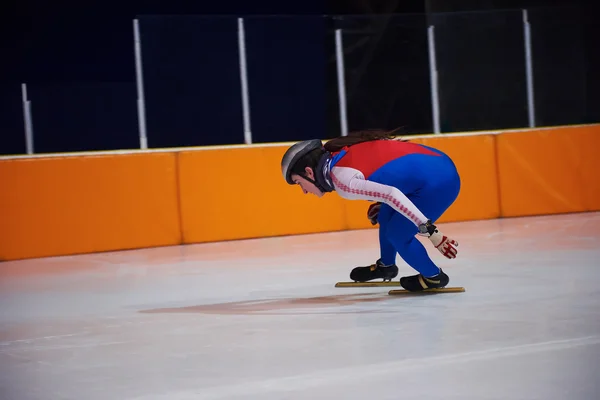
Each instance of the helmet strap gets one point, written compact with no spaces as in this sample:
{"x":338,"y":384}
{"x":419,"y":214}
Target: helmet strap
{"x":322,"y":180}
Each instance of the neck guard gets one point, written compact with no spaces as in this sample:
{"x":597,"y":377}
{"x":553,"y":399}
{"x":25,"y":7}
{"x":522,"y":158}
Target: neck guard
{"x":323,"y":179}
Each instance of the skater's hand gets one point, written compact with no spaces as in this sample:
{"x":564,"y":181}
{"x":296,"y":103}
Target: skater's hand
{"x":444,"y":244}
{"x":373,"y":212}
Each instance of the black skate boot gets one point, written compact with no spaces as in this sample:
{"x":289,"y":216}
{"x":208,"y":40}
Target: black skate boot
{"x":375,"y":271}
{"x":417,"y":283}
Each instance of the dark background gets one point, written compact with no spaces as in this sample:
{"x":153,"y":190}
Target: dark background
{"x":78,"y":62}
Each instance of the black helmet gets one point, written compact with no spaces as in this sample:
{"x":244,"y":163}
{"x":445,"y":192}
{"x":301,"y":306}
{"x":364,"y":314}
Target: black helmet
{"x":294,"y":154}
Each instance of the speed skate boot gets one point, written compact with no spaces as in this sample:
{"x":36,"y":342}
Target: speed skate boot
{"x":374,"y":271}
{"x":417,"y":283}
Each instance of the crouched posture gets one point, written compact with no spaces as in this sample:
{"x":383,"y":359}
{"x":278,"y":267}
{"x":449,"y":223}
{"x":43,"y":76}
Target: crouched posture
{"x":411,"y":184}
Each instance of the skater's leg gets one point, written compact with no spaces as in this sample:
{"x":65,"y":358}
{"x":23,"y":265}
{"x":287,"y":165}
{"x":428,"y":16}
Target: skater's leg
{"x":385,"y":268}
{"x":387,"y":250}
{"x":433,"y":201}
{"x":397,"y":233}
{"x":400,"y":232}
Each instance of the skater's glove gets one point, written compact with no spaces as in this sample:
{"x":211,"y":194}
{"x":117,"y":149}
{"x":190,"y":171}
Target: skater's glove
{"x":443,"y":243}
{"x":373,"y":212}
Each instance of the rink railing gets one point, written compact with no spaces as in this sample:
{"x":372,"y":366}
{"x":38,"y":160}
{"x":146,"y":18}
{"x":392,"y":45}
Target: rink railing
{"x":442,"y":76}
{"x":77,"y":203}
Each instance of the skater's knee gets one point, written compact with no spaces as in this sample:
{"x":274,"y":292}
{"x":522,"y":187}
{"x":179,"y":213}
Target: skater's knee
{"x":403,"y":245}
{"x":385,"y":215}
{"x":401,"y":236}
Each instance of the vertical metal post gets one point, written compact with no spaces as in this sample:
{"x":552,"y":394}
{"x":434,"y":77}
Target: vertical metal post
{"x":433,"y":73}
{"x":244,"y":81}
{"x":529,"y":70}
{"x":341,"y":81}
{"x":27,"y":119}
{"x":141,"y":102}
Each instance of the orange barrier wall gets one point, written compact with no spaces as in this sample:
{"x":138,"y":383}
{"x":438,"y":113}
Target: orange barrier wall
{"x":549,"y":171}
{"x":239,"y":193}
{"x":79,"y":204}
{"x":474,"y":157}
{"x":249,"y":198}
{"x":69,"y":205}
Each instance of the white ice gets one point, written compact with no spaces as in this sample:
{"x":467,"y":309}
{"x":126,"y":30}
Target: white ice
{"x":261,"y":319}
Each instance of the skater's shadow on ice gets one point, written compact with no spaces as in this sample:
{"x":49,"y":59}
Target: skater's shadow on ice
{"x":303,"y":305}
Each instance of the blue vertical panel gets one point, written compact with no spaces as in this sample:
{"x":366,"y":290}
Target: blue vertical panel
{"x":386,"y":73}
{"x":78,"y":116}
{"x":12,"y":127}
{"x":192,"y":80}
{"x":481,"y":70}
{"x":559,"y":70}
{"x":80,"y":78}
{"x":286,"y":77}
{"x":591,"y":32}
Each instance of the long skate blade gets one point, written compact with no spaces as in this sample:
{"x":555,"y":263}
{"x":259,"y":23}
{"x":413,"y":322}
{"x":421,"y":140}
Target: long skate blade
{"x":428,"y":291}
{"x":368,"y":284}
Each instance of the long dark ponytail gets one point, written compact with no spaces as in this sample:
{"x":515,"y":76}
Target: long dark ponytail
{"x":335,"y":145}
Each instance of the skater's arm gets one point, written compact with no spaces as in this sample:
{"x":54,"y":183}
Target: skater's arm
{"x":350,"y":184}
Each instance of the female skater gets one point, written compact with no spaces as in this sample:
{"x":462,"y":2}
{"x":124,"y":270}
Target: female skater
{"x":411,"y":184}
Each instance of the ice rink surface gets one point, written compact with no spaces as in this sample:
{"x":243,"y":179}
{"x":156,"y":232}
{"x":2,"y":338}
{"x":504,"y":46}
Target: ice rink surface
{"x":261,"y":319}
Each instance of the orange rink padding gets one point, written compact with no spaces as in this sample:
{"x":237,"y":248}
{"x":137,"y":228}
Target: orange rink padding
{"x":474,"y":157}
{"x":63,"y":205}
{"x":475,"y":160}
{"x":70,"y":205}
{"x":240,"y":193}
{"x":549,"y":171}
